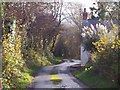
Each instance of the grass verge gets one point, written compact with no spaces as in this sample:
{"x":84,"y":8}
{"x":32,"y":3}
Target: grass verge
{"x":27,"y":76}
{"x":93,"y":80}
{"x":24,"y":81}
{"x":33,"y":70}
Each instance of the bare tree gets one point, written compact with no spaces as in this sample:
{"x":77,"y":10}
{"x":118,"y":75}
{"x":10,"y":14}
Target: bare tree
{"x":73,"y":15}
{"x":45,"y":28}
{"x":68,"y":43}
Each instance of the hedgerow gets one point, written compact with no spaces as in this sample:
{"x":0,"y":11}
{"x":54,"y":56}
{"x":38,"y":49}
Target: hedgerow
{"x":106,"y":50}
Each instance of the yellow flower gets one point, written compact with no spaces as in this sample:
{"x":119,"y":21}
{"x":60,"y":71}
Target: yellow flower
{"x":118,"y":42}
{"x":102,"y":49}
{"x":113,"y":46}
{"x":86,"y":69}
{"x":99,"y":51}
{"x":8,"y":35}
{"x":102,"y":42}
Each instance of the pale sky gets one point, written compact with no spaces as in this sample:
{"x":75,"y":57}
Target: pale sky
{"x":85,"y":3}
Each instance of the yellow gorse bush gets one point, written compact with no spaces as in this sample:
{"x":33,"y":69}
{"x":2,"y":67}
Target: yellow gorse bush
{"x":107,"y":55}
{"x":107,"y":40}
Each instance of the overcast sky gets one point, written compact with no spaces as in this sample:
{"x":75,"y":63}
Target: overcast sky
{"x":85,"y":3}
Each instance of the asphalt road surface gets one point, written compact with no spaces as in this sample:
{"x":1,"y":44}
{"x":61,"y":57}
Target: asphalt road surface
{"x":68,"y":81}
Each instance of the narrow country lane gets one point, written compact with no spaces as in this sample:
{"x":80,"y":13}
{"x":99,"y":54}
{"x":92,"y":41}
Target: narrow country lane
{"x":68,"y":81}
